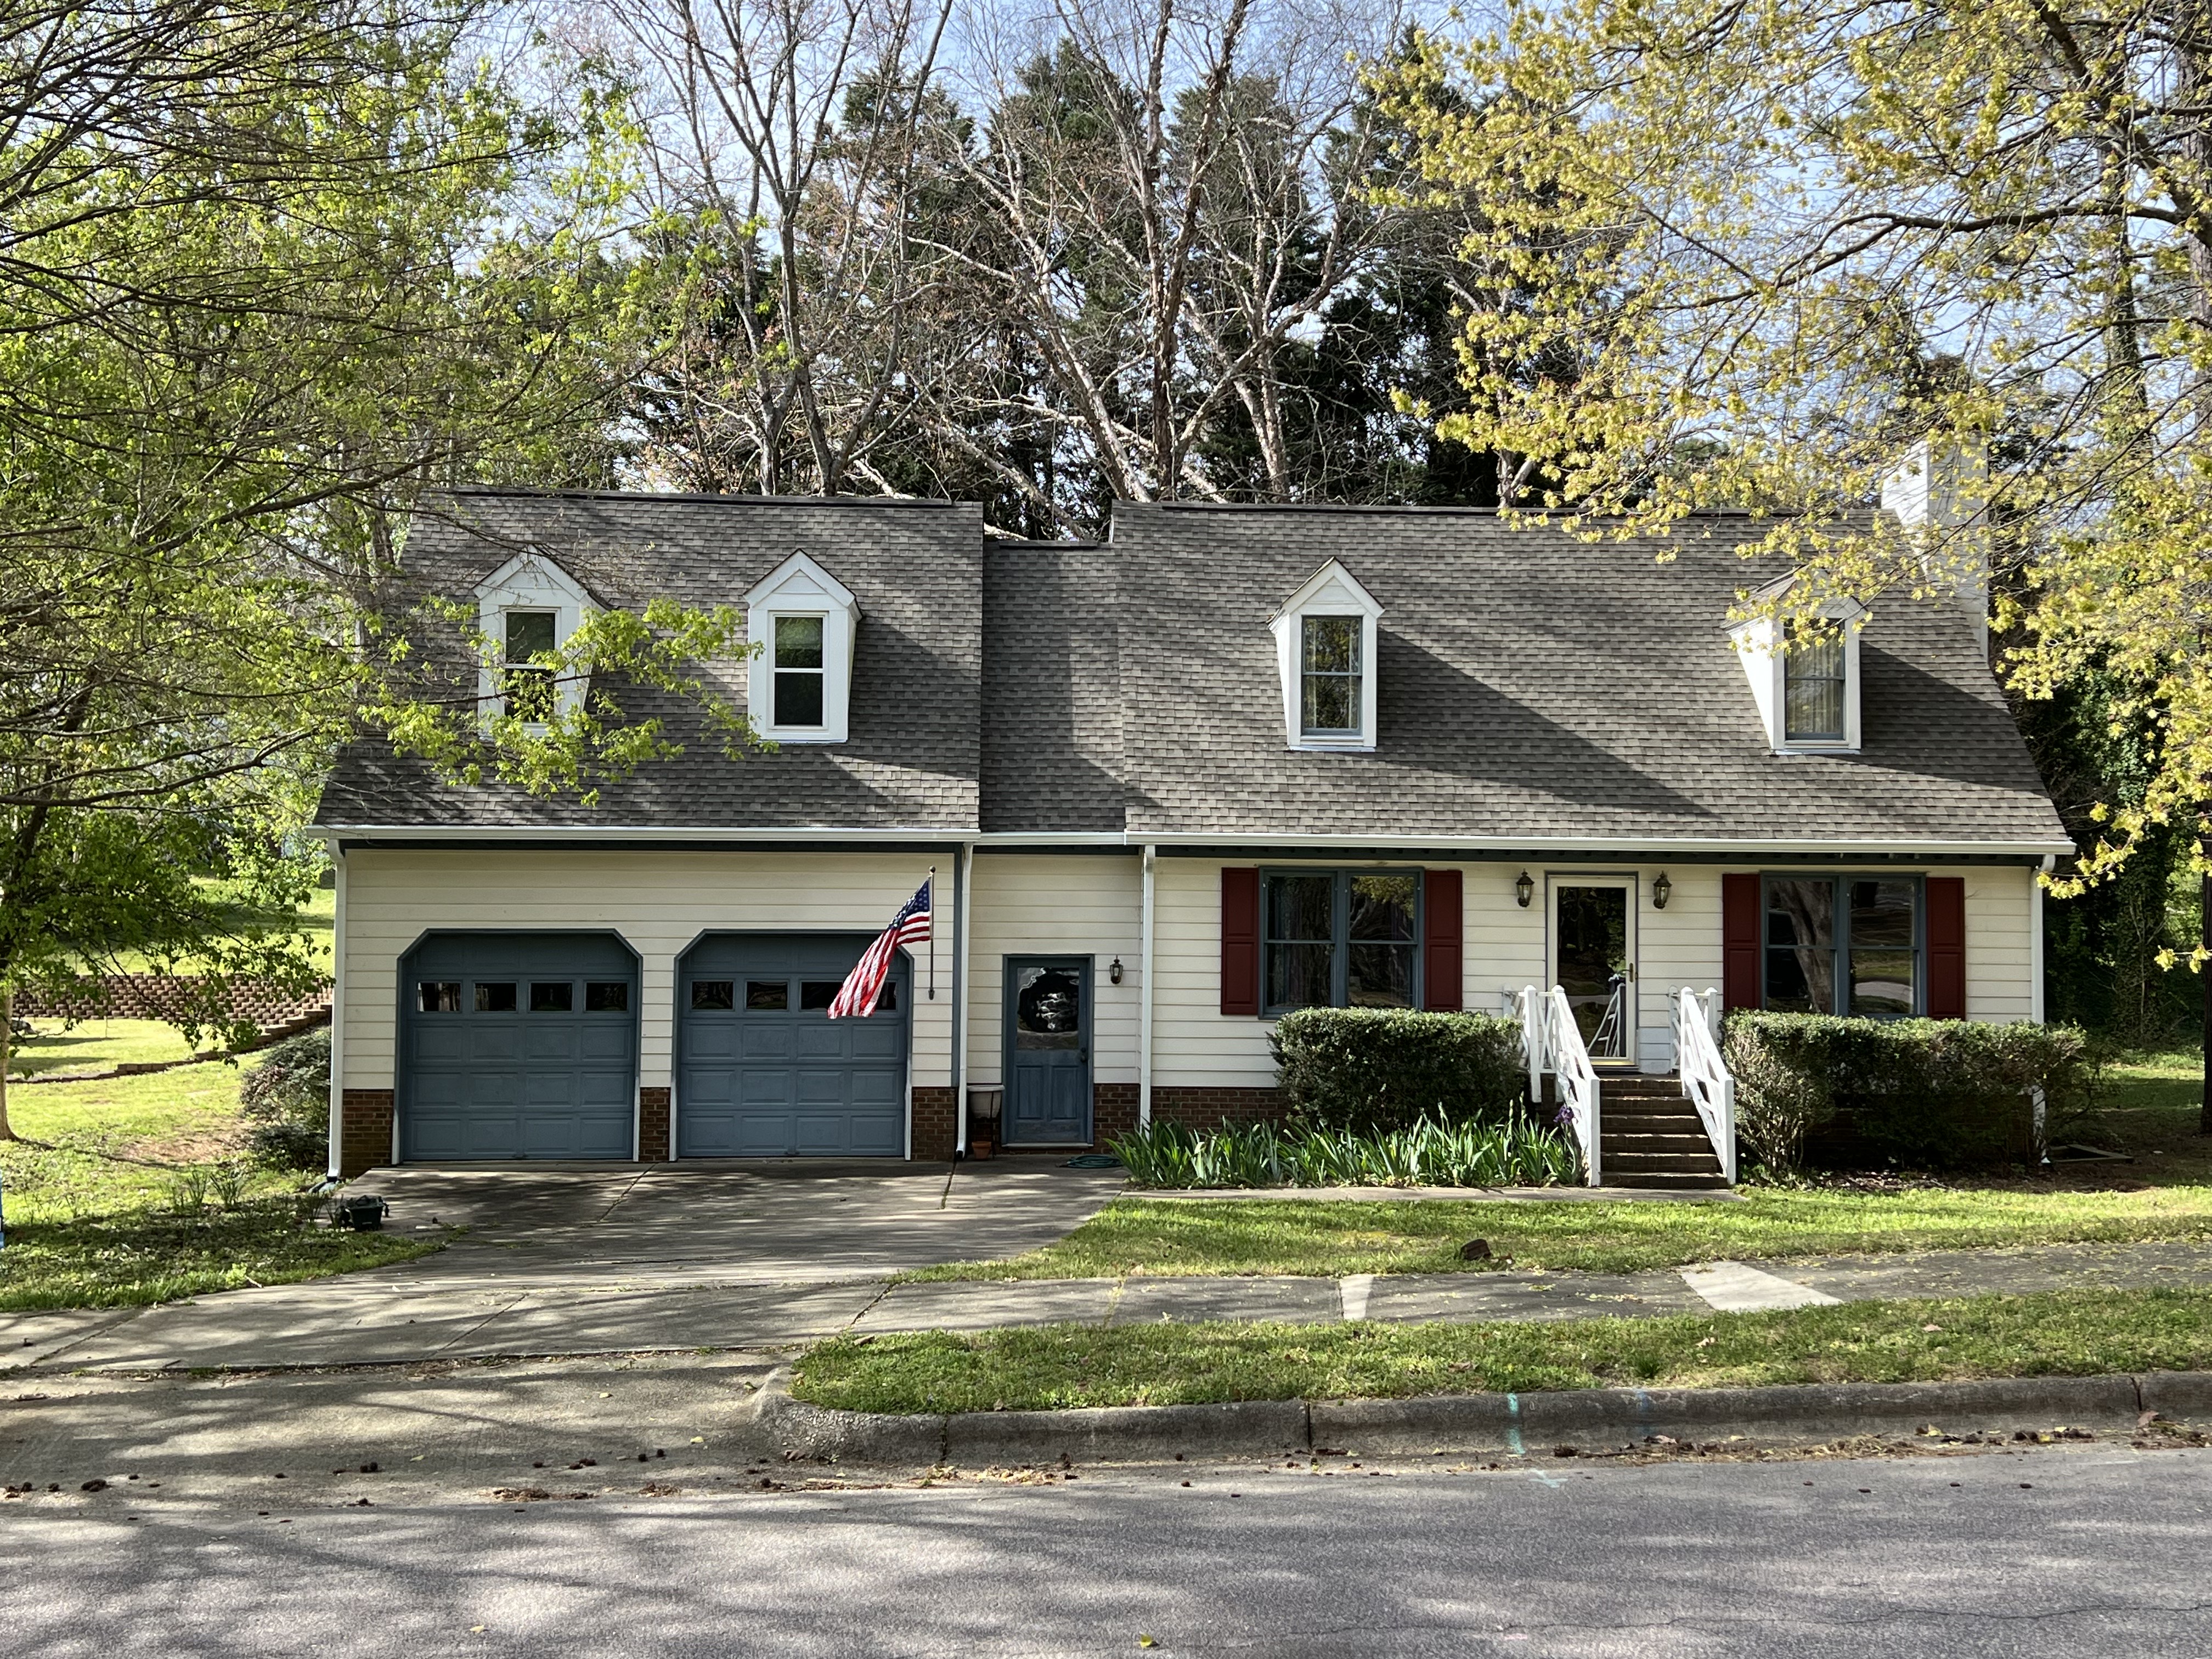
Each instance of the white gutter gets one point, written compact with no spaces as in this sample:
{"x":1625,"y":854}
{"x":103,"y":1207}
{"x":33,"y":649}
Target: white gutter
{"x":963,"y":1027}
{"x":337,"y":1010}
{"x":1145,"y":995}
{"x":1564,"y":846}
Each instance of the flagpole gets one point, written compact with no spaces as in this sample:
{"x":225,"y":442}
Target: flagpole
{"x":933,"y":933}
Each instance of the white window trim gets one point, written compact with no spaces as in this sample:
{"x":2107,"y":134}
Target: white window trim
{"x":1766,"y":667}
{"x":1331,"y":591}
{"x":530,"y":581}
{"x":800,"y":587}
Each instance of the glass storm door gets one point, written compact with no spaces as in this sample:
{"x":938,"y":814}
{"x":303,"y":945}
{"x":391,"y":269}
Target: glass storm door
{"x":1594,"y":960}
{"x":1048,"y":1073}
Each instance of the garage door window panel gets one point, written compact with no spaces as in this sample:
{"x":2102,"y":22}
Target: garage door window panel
{"x":713,"y":993}
{"x":767,"y":995}
{"x":552,"y":997}
{"x":496,"y":997}
{"x":606,"y":996}
{"x":439,"y":996}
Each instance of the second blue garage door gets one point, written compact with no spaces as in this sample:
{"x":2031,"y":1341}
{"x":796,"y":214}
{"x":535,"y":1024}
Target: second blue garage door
{"x":764,"y":1070}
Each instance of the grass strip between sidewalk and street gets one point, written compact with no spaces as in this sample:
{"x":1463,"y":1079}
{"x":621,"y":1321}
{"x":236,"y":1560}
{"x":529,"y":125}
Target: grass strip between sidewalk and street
{"x":1179,"y":1237}
{"x":2083,"y":1332}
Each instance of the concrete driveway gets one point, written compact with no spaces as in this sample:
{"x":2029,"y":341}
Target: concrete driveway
{"x":786,"y":1222}
{"x":583,"y":1259}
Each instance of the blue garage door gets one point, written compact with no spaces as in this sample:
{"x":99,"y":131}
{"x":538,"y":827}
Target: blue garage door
{"x":518,"y":1045}
{"x":765,"y":1071}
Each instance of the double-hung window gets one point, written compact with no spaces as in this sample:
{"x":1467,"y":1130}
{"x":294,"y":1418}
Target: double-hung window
{"x":1329,"y":700}
{"x":527,"y":684}
{"x":1813,"y":685}
{"x":1845,"y":945}
{"x":1341,"y":938}
{"x":799,"y":669}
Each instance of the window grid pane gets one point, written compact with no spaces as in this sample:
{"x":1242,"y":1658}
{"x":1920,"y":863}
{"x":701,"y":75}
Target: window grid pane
{"x":1330,"y":682}
{"x":1812,"y":691}
{"x":1341,"y":938}
{"x":797,"y":697}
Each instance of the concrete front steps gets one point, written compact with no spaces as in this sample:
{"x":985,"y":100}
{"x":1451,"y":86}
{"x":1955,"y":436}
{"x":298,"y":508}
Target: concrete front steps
{"x":1649,"y":1135}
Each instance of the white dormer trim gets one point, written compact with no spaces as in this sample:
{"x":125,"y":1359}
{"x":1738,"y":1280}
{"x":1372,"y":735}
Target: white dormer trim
{"x":1766,"y":667}
{"x":1331,"y":591}
{"x":531,"y":580}
{"x":800,"y":587}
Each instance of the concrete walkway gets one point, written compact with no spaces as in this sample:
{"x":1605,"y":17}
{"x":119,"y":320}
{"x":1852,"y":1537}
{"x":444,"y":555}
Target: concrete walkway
{"x":386,"y":1317}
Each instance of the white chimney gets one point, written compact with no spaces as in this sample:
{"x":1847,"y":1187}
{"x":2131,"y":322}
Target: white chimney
{"x":1940,"y":491}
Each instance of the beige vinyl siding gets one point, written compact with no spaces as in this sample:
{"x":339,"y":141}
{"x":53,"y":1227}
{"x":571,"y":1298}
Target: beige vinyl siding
{"x":2000,"y":951}
{"x":1048,"y":904}
{"x":1195,"y":1045}
{"x":659,"y":901}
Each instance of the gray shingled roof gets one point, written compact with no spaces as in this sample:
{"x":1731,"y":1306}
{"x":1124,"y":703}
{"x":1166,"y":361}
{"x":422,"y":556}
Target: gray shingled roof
{"x":916,"y":568}
{"x":1533,"y":685}
{"x":1530,"y":685}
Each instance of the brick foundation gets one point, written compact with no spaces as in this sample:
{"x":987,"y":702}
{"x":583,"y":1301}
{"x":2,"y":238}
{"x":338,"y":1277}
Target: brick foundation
{"x":653,"y":1126}
{"x":936,"y":1125}
{"x":364,"y":1129}
{"x":1113,"y":1111}
{"x":1205,"y":1108}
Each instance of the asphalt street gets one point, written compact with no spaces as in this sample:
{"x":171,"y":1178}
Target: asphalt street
{"x":2096,"y":1549}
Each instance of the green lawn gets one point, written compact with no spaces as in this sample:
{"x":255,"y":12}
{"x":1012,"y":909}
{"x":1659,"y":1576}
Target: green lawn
{"x":58,"y":1049}
{"x":2067,"y":1333}
{"x":98,"y":1196}
{"x":2165,"y":1194}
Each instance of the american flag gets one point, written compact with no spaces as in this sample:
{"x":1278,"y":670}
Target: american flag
{"x":856,"y":998}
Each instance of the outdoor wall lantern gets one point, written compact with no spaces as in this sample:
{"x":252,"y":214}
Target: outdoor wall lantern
{"x":1524,"y":888}
{"x":1661,"y":890}
{"x":1113,"y":970}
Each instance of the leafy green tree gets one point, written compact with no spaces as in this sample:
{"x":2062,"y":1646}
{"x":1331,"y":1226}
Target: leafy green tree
{"x":267,"y":276}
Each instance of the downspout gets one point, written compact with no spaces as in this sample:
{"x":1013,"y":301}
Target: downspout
{"x":964,"y":883}
{"x":1145,"y":995}
{"x":2035,"y":939}
{"x":338,"y":1004}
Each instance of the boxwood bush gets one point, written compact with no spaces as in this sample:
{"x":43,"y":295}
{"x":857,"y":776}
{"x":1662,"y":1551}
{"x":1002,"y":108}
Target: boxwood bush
{"x":1926,"y":1094}
{"x":1369,"y":1071}
{"x":286,"y":1100}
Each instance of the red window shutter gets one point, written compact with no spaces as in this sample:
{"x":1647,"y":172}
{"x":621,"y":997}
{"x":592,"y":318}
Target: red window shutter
{"x":1442,"y":924}
{"x":1947,"y":947}
{"x":1740,"y":941}
{"x":1240,"y":941}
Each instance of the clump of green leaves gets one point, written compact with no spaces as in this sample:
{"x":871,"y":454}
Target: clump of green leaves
{"x":286,"y":1100}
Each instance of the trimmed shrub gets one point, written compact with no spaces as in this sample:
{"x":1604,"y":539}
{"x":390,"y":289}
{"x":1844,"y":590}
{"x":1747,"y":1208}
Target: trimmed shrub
{"x":1368,"y":1071}
{"x":286,"y":1101}
{"x":1928,"y":1094}
{"x":1427,"y":1153}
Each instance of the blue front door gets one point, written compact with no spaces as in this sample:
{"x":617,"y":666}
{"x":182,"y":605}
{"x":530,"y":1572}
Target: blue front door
{"x":1047,"y":1025}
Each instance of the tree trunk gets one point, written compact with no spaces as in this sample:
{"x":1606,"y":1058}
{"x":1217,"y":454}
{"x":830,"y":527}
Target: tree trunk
{"x":2204,"y":938}
{"x":6,"y":1054}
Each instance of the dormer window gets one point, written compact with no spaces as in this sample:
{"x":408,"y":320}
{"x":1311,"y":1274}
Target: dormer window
{"x":798,"y":671}
{"x":1813,"y":687}
{"x":803,"y":623}
{"x":1329,"y":693}
{"x":1325,"y":649}
{"x":527,"y":681}
{"x":527,"y":610}
{"x":1804,"y":683}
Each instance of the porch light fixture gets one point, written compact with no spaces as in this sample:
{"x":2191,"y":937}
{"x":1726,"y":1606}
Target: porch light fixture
{"x":1524,"y":888}
{"x":1661,"y":890}
{"x":1113,"y":970}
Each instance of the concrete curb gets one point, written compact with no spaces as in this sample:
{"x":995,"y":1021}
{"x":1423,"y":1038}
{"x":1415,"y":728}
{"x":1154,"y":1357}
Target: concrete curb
{"x":1511,"y":1423}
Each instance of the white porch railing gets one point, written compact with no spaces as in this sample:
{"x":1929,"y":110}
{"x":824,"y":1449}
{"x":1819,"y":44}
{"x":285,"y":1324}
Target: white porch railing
{"x":1551,"y":1042}
{"x":1570,"y":1062}
{"x":1705,"y":1079}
